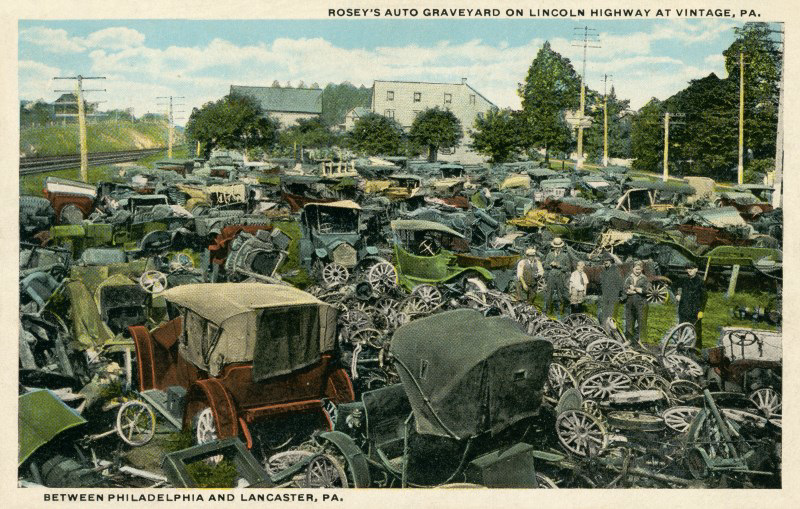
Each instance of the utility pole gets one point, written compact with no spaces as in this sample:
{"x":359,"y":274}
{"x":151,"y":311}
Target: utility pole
{"x":740,"y":167}
{"x":587,"y":38}
{"x":84,"y":148}
{"x":170,"y":121}
{"x":667,"y":116}
{"x":778,"y":177}
{"x":605,"y":119}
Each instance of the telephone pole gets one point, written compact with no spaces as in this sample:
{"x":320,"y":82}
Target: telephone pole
{"x":605,"y":119}
{"x":589,"y":36}
{"x":170,"y":121}
{"x":81,"y":117}
{"x":740,"y":167}
{"x":667,"y":116}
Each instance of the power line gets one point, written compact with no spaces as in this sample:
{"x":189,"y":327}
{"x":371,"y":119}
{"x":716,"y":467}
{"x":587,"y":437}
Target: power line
{"x":79,"y":91}
{"x":589,"y":36}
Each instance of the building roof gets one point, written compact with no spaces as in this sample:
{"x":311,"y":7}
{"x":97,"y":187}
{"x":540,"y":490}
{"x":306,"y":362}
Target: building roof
{"x":360,"y":111}
{"x":464,"y":83}
{"x":289,"y":100}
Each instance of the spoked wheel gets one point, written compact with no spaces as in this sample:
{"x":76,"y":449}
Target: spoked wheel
{"x":576,"y":319}
{"x":767,"y":401}
{"x":371,"y":337}
{"x":382,"y":276}
{"x":559,"y":380}
{"x":136,"y":423}
{"x":428,"y":296}
{"x":679,"y":339}
{"x":682,"y":366}
{"x":580,"y":433}
{"x":601,"y":385}
{"x":659,"y":293}
{"x":181,"y":261}
{"x":205,"y":431}
{"x":325,"y":471}
{"x":153,"y":281}
{"x":335,"y":274}
{"x":604,"y":349}
{"x":683,"y":389}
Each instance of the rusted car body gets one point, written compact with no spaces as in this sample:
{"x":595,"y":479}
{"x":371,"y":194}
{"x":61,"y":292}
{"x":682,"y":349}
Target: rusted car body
{"x":71,"y":201}
{"x":244,"y":352}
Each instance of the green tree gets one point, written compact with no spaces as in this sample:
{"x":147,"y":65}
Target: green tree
{"x":761,"y":81}
{"x":551,"y":87}
{"x":647,"y":143}
{"x":233,"y":122}
{"x":337,"y":100}
{"x":497,"y":135}
{"x":436,"y":128}
{"x":308,"y":133}
{"x":619,"y":126}
{"x":375,"y":134}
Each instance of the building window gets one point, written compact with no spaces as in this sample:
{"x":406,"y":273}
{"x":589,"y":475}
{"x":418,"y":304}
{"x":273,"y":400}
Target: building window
{"x":472,"y":98}
{"x":417,"y":97}
{"x":390,"y":95}
{"x":388,"y":113}
{"x":448,"y":98}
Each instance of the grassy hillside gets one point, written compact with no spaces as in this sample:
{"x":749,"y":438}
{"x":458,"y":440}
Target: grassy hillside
{"x":102,"y":137}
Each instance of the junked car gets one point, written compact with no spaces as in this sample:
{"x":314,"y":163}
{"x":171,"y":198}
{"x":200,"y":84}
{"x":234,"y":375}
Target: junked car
{"x":235,"y":355}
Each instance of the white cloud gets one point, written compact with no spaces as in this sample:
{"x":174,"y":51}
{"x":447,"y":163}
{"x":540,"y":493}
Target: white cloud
{"x":36,"y":80}
{"x":59,"y":40}
{"x":52,"y":40}
{"x":137,"y":73}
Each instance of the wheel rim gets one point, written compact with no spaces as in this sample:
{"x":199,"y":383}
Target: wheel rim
{"x":602,"y":385}
{"x":767,"y":401}
{"x":382,"y":276}
{"x":429,"y":296}
{"x":153,"y":281}
{"x":324,"y":471}
{"x":559,"y":379}
{"x":682,"y":366}
{"x":206,"y":427}
{"x":136,"y":423}
{"x":679,"y":339}
{"x":658,"y":294}
{"x":604,"y":349}
{"x":580,"y":433}
{"x":335,"y":274}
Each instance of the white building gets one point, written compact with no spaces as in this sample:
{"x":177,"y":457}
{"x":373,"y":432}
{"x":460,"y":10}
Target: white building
{"x":403,"y":100}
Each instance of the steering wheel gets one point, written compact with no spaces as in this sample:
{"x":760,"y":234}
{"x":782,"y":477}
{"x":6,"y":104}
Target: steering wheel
{"x":428,"y":247}
{"x":325,"y":228}
{"x":153,"y":281}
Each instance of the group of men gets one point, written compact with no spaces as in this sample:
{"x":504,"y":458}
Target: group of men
{"x":564,"y":285}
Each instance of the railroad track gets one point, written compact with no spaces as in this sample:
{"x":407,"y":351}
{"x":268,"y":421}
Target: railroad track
{"x":32,"y":165}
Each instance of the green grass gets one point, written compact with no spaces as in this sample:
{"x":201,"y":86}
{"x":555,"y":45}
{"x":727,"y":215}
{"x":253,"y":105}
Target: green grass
{"x":33,"y":184}
{"x":662,"y":317}
{"x":101,"y":137}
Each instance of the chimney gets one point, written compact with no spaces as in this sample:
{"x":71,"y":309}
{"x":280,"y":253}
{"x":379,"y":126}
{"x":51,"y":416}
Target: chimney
{"x":463,"y":81}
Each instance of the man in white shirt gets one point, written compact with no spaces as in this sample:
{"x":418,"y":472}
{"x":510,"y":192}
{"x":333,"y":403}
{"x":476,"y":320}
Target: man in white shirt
{"x":578,"y":284}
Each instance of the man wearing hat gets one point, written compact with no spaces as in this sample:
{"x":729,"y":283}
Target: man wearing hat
{"x":691,"y":296}
{"x":529,"y":271}
{"x":558,"y":268}
{"x":610,"y":289}
{"x":634,"y":294}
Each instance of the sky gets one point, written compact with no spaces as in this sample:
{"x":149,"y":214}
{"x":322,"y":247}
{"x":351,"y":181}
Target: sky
{"x":199,"y":60}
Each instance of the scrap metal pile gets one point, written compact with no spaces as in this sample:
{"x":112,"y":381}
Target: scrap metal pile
{"x":362,"y":325}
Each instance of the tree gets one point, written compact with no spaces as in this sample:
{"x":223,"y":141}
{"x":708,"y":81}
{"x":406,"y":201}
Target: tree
{"x":337,"y":100}
{"x":551,"y":87}
{"x":497,"y":135}
{"x":647,"y":143}
{"x":375,"y":134}
{"x":307,"y":133}
{"x":619,"y":126}
{"x":436,"y":128}
{"x":233,"y":122}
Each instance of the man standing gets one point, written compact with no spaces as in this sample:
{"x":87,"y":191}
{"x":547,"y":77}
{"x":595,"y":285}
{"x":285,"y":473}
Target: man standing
{"x":610,"y":290}
{"x":634,"y":291}
{"x":578,"y":284}
{"x":529,"y":271}
{"x":691,"y":296}
{"x":558,"y":267}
